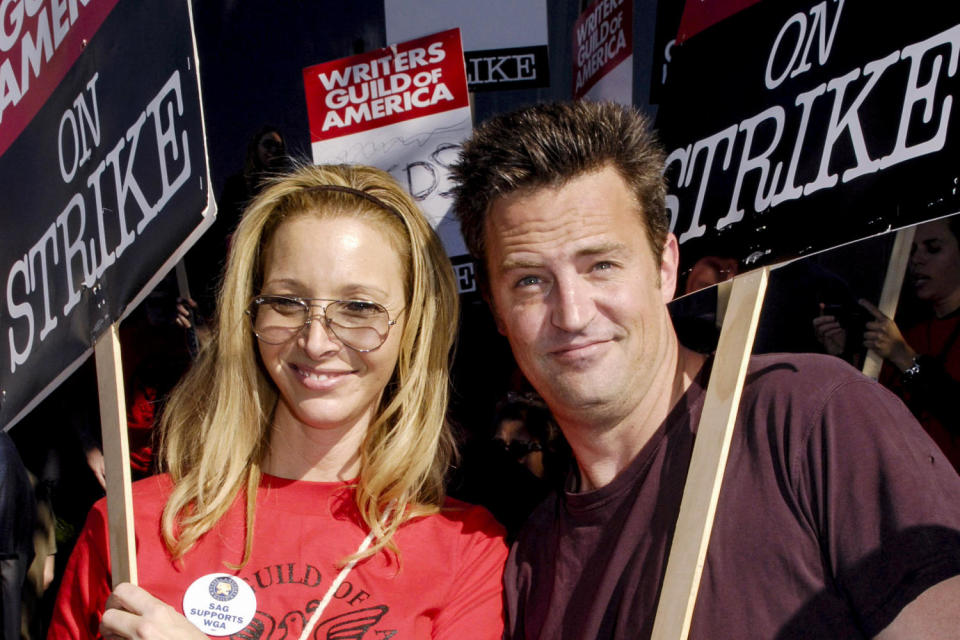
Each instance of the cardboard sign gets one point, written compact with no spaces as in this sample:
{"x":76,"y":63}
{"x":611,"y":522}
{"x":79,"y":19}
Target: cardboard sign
{"x":698,"y":16}
{"x":603,"y":52}
{"x":792,"y":127}
{"x":104,"y":174}
{"x":404,"y":109}
{"x":504,"y":41}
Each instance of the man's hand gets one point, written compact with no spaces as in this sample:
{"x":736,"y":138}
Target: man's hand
{"x":830,"y":333}
{"x":883,"y":336}
{"x":131,"y":612}
{"x":186,"y":310}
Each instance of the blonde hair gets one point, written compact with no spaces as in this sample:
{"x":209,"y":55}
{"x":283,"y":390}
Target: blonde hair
{"x":215,"y":428}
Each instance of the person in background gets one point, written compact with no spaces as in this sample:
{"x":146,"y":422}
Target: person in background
{"x":266,"y":156}
{"x":922,"y":364}
{"x":710,"y":270}
{"x":17,"y":513}
{"x":838,"y":517}
{"x":516,"y":463}
{"x":305,"y":451}
{"x":34,"y":613}
{"x":51,"y":440}
{"x":527,"y":433}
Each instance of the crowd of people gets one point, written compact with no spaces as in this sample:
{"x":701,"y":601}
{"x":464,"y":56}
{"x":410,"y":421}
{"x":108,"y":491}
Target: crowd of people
{"x":921,"y":363}
{"x":304,"y":484}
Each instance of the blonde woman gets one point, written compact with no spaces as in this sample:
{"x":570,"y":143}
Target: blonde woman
{"x":305,"y":451}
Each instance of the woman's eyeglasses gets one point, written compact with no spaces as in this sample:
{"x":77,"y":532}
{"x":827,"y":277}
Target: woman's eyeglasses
{"x":517,"y":449}
{"x":361,"y":325}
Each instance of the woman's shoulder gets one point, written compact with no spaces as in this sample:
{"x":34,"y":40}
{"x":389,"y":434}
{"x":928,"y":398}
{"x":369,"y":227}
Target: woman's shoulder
{"x":149,"y":494}
{"x":456,"y":510}
{"x":153,"y":488}
{"x":460,"y":520}
{"x":461,"y":541}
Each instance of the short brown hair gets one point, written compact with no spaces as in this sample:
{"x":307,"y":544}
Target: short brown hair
{"x":547,"y":145}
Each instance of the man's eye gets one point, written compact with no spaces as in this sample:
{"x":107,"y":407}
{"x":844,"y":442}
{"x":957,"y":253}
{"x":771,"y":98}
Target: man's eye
{"x":528,"y":281}
{"x":603,"y":266}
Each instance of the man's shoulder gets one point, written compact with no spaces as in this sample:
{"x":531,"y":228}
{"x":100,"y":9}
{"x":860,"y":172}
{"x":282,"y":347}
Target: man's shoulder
{"x":537,"y":529}
{"x":800,"y":376}
{"x":787,"y":396}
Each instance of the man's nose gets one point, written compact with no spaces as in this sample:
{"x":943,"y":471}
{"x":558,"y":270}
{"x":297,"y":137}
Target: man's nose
{"x":573,"y":305}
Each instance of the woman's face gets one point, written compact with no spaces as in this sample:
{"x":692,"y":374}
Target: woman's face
{"x":515,"y":438}
{"x":324,"y":384}
{"x":269,"y":147}
{"x":935,"y":262}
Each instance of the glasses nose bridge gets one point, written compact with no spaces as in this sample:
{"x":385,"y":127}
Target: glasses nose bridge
{"x":310,"y":314}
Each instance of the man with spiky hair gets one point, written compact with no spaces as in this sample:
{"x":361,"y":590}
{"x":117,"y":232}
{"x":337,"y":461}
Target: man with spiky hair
{"x":837,"y":518}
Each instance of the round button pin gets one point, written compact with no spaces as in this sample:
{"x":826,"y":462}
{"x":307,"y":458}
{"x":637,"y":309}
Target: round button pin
{"x":219,"y":604}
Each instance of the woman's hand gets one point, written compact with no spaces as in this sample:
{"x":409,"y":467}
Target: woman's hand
{"x":883,"y":336}
{"x":131,"y":612}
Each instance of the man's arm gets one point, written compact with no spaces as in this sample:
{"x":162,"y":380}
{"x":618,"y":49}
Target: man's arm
{"x":935,"y":614}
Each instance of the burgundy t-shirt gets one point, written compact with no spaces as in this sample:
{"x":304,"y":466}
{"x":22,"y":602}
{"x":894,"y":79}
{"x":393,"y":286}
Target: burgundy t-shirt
{"x":836,"y":511}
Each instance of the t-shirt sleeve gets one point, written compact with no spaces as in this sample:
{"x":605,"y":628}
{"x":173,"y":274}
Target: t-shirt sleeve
{"x":474,"y":608}
{"x":884,"y":501}
{"x":86,"y":582}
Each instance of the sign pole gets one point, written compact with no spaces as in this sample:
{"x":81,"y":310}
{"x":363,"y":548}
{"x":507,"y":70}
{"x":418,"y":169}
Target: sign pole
{"x":890,"y":294}
{"x":702,"y":489}
{"x":116,"y":453}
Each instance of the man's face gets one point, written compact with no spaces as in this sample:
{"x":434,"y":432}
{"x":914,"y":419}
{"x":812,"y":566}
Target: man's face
{"x":577,"y":291}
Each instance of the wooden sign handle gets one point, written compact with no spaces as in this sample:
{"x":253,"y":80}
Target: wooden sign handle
{"x":695,"y":520}
{"x":116,"y":454}
{"x":890,"y":294}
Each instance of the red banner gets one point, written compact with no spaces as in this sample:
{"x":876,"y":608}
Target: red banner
{"x":700,"y":14}
{"x":36,"y":51}
{"x":416,"y":78}
{"x":602,"y":39}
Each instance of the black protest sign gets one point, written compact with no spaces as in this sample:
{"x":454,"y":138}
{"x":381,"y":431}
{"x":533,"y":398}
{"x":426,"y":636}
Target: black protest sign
{"x":793,"y":126}
{"x":103,"y":189}
{"x":509,"y":68}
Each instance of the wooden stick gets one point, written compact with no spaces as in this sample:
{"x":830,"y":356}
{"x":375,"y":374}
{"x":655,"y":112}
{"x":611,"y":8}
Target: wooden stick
{"x":695,"y":520}
{"x":723,"y":299}
{"x":183,"y":290}
{"x":890,"y":294}
{"x":116,"y":453}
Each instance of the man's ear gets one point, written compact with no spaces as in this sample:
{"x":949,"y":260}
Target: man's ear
{"x":669,"y":264}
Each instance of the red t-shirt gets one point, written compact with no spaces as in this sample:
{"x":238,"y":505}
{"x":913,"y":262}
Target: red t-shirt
{"x":448,"y":583}
{"x":836,"y":511}
{"x":935,"y":405}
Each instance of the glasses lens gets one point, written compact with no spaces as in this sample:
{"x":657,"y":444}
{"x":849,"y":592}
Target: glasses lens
{"x":517,"y":449}
{"x":276,"y":319}
{"x":360,"y":324}
{"x":520,"y":448}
